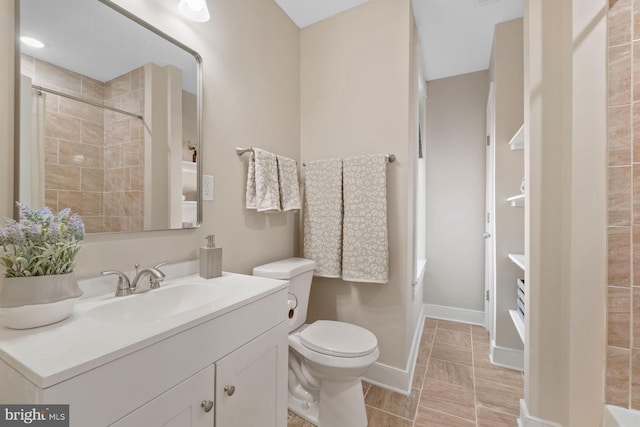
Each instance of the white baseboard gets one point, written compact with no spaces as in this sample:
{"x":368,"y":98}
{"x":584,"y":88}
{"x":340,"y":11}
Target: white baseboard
{"x":395,"y":379}
{"x":527,"y":420}
{"x":389,"y":377}
{"x":454,"y":314}
{"x":506,"y":357}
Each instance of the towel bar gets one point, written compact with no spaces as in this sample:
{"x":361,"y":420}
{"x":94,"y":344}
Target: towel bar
{"x":390,"y":159}
{"x":240,"y":151}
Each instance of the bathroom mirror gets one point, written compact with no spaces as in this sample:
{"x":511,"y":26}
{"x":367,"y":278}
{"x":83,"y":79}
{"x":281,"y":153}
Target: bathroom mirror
{"x":109,"y":117}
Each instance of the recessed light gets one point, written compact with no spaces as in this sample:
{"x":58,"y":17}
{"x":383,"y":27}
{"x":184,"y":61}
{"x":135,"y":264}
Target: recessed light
{"x":30,"y":41}
{"x":195,"y":10}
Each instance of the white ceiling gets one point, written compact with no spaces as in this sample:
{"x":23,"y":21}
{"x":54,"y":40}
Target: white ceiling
{"x":92,"y":39}
{"x":455,"y":35}
{"x":307,"y":12}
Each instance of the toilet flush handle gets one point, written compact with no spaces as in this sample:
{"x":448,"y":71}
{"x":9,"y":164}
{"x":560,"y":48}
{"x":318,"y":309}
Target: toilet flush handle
{"x":293,"y":304}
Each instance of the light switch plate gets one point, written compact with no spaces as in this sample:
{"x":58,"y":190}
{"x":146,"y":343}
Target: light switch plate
{"x":207,"y":187}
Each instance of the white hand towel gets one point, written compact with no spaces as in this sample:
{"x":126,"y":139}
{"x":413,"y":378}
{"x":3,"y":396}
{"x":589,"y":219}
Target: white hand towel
{"x":365,"y":251}
{"x":266,"y":175}
{"x":323,"y":216}
{"x":289,"y":187}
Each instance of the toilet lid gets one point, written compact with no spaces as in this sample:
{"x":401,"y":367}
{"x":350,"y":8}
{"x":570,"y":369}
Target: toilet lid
{"x":338,"y":339}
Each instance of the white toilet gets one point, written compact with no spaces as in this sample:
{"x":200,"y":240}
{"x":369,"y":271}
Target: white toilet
{"x":326,"y":358}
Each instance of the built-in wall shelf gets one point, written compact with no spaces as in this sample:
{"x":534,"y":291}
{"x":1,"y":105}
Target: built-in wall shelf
{"x":189,"y":167}
{"x":518,"y":323}
{"x":517,"y":141}
{"x":518,"y":259}
{"x":516,"y":200}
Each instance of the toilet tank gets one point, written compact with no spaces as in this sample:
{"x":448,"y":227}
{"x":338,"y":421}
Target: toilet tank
{"x":299,"y":272}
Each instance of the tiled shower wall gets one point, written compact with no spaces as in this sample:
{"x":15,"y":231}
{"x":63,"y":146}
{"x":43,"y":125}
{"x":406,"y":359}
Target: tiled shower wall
{"x":124,"y":153}
{"x":623,"y":291}
{"x":74,"y":139}
{"x":94,"y":158}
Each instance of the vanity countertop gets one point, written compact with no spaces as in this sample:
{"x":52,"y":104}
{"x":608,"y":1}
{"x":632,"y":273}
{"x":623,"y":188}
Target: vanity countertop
{"x":55,"y":353}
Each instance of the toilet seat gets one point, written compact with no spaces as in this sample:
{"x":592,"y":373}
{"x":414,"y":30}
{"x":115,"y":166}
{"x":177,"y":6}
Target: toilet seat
{"x":338,"y":339}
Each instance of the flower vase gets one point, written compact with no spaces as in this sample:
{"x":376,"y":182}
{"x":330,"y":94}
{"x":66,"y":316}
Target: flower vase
{"x":30,"y":302}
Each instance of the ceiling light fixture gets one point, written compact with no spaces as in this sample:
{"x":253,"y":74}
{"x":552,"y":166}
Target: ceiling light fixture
{"x":195,"y":10}
{"x":29,"y":41}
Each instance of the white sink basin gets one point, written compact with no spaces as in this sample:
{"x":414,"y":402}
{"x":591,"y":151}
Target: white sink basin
{"x":158,"y":303}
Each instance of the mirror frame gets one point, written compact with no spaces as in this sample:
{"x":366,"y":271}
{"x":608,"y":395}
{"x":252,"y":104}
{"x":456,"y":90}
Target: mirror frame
{"x":145,"y":24}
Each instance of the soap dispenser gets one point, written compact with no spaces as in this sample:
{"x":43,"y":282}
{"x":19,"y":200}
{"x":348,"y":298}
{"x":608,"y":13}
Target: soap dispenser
{"x":210,"y":259}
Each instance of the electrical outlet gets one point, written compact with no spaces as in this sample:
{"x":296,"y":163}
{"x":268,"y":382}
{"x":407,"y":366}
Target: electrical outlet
{"x":207,"y":187}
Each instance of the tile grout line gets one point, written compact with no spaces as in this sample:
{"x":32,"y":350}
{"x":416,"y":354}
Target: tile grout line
{"x":473,"y":370}
{"x":426,"y":368}
{"x":389,"y":413}
{"x":450,"y":415}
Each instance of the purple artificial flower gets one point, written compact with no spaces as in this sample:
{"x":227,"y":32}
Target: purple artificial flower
{"x":76,"y":226}
{"x":39,"y":241}
{"x":12,"y":232}
{"x":25,"y":211}
{"x":54,"y":232}
{"x":32,"y":230}
{"x":63,"y":215}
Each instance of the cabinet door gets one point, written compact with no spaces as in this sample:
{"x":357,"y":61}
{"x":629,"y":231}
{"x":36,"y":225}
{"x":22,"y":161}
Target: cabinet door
{"x":180,"y":406}
{"x":251,"y":382}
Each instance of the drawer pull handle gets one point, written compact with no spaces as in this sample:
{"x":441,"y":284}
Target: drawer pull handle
{"x":230,"y":389}
{"x":207,"y":405}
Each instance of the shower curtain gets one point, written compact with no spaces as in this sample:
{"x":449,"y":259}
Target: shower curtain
{"x":36,"y":149}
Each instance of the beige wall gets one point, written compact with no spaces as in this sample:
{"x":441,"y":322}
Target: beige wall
{"x":455,"y":155}
{"x":507,"y":75}
{"x":565,"y":134}
{"x":355,"y":70}
{"x":250,"y":52}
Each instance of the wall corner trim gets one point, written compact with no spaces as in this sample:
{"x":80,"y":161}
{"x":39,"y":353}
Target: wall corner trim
{"x":395,"y":379}
{"x":506,"y":357}
{"x":526,"y":420}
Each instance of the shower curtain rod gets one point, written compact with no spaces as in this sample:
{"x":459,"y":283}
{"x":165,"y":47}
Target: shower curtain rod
{"x":240,"y":151}
{"x":86,"y":101}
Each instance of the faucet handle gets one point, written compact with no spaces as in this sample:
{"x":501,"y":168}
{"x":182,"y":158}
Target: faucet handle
{"x":154,"y":282}
{"x":124,"y":286}
{"x":161,"y":264}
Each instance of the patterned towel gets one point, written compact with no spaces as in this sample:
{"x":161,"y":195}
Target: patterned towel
{"x":289,"y":187}
{"x":365,"y":249}
{"x":251,"y":183}
{"x":266,"y":182}
{"x":323,"y":216}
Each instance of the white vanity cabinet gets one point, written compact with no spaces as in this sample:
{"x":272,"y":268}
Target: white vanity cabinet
{"x":246,"y":393}
{"x":248,"y":383}
{"x":234,"y":357}
{"x":185,"y":405}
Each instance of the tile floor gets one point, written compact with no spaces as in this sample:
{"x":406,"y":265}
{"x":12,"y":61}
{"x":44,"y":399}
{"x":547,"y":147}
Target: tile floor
{"x":454,"y":385}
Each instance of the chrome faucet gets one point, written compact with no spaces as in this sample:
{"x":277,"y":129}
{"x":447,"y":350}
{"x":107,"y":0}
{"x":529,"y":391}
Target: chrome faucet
{"x":155,"y":276}
{"x":125,"y":287}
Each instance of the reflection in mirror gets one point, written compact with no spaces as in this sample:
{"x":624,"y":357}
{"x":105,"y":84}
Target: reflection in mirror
{"x":109,"y":118}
